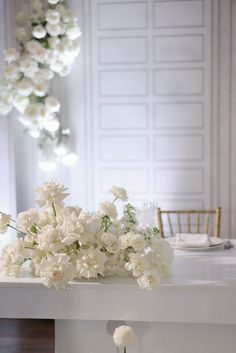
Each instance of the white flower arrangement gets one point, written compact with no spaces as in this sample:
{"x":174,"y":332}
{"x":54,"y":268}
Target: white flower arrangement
{"x":64,"y":243}
{"x":48,"y":45}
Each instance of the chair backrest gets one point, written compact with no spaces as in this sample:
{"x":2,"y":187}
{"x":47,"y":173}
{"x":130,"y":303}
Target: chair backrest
{"x":197,"y":221}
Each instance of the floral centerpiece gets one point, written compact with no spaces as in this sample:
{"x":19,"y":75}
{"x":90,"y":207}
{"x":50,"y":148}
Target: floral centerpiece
{"x":64,"y":243}
{"x":48,"y":45}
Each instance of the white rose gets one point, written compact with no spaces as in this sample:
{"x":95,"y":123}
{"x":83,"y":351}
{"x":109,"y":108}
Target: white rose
{"x":52,"y":104}
{"x":53,"y":30}
{"x":22,"y":35}
{"x":73,"y":30}
{"x":107,"y":209}
{"x":123,"y":336}
{"x":11,"y":72}
{"x":4,"y":221}
{"x":40,"y":90}
{"x":51,"y":125}
{"x":24,"y":87}
{"x":42,"y":75}
{"x":119,"y":193}
{"x":25,"y":220}
{"x":150,"y":279}
{"x":53,"y":16}
{"x":53,"y":2}
{"x":20,"y":103}
{"x":11,"y":55}
{"x":39,"y":32}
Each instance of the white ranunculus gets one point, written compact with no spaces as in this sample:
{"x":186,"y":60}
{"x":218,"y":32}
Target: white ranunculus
{"x":25,"y":220}
{"x":119,"y":193}
{"x":51,"y":193}
{"x":24,"y":87}
{"x":11,"y":72}
{"x":22,"y":35}
{"x":56,"y":270}
{"x":53,"y":2}
{"x":5,"y":107}
{"x":107,"y":209}
{"x":42,"y":75}
{"x":20,"y":103}
{"x":53,"y":16}
{"x":40,"y":90}
{"x":52,"y":104}
{"x":53,"y":30}
{"x":90,"y":263}
{"x":123,"y":336}
{"x":150,"y":279}
{"x":73,"y":30}
{"x":11,"y":55}
{"x":39,"y":32}
{"x":4,"y":221}
{"x":22,"y":18}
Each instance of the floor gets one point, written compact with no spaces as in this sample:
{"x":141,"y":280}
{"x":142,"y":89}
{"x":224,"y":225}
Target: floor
{"x":26,"y":336}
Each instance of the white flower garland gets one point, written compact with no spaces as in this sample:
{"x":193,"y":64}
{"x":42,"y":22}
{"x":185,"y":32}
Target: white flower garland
{"x":65,"y":243}
{"x":48,"y":45}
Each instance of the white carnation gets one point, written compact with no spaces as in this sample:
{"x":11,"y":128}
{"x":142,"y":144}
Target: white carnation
{"x":150,"y":279}
{"x":4,"y":221}
{"x":123,"y":336}
{"x":25,"y":220}
{"x":49,"y":239}
{"x":24,"y":87}
{"x":11,"y":55}
{"x":56,"y":270}
{"x":107,"y":209}
{"x":90,"y":263}
{"x":39,"y":32}
{"x":51,"y":193}
{"x":119,"y":193}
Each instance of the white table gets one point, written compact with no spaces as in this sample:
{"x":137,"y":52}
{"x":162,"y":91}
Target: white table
{"x":194,"y":311}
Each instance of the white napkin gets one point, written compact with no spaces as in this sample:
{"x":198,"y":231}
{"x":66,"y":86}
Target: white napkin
{"x":192,"y":240}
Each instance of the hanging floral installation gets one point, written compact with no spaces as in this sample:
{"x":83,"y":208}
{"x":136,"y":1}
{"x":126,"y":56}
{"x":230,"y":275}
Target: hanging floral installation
{"x":48,"y":45}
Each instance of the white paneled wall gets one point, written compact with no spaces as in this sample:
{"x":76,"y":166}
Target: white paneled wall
{"x":151,"y":102}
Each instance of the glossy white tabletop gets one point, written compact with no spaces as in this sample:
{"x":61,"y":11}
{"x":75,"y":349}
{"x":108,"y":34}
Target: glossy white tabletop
{"x":202,"y":289}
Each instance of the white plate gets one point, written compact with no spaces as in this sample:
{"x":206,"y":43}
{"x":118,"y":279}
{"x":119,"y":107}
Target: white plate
{"x":217,"y":243}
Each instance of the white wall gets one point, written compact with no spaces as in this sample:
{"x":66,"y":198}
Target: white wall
{"x":151,"y":102}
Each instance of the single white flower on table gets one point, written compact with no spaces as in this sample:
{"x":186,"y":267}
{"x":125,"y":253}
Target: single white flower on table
{"x":124,"y":336}
{"x":56,"y":270}
{"x":119,"y":193}
{"x":4,"y":222}
{"x":107,"y":209}
{"x":39,"y":32}
{"x":90,"y":262}
{"x":51,"y":193}
{"x":150,"y":279}
{"x":11,"y":55}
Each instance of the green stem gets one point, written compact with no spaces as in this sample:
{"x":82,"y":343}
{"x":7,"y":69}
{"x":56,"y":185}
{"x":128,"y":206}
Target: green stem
{"x":10,"y":218}
{"x":19,"y":231}
{"x":54,"y":209}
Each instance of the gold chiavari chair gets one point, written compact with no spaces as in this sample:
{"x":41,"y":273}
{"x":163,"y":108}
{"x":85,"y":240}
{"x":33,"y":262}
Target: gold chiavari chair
{"x":197,"y":221}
